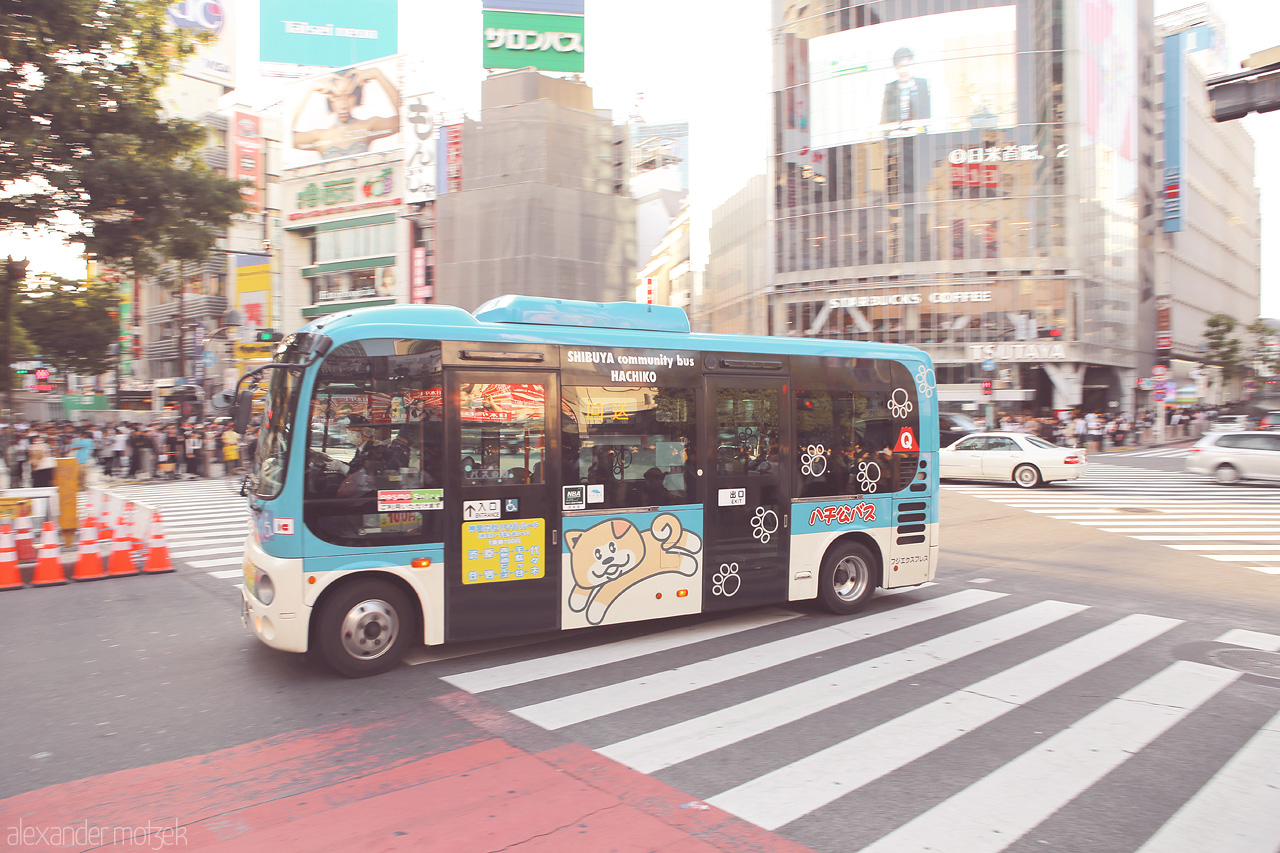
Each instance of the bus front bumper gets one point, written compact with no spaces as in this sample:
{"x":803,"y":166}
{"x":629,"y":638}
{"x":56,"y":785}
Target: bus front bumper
{"x":281,"y":624}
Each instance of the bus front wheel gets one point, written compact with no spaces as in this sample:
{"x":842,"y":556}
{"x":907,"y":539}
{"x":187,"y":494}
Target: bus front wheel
{"x":847,"y":579}
{"x":363,"y":629}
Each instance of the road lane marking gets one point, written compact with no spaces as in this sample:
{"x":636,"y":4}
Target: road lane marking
{"x":521,"y":672}
{"x":659,"y":749}
{"x":997,"y":810}
{"x":788,"y":793}
{"x":575,"y":708}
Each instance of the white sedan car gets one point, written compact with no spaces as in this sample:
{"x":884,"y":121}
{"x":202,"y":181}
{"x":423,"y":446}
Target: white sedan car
{"x":1024,"y":459}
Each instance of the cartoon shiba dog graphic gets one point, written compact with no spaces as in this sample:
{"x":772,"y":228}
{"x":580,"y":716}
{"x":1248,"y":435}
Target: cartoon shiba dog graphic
{"x":615,"y":555}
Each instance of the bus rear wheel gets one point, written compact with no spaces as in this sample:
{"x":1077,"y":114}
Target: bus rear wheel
{"x":847,"y":579}
{"x":363,"y":629}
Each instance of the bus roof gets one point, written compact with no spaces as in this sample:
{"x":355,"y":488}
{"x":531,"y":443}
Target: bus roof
{"x":532,"y":319}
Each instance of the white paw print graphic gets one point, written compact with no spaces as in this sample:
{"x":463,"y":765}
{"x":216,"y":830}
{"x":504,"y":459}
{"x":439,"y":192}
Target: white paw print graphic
{"x":764,"y":524}
{"x":813,"y":462}
{"x":925,"y":381}
{"x":900,"y":403}
{"x":727,"y":581}
{"x":868,"y":476}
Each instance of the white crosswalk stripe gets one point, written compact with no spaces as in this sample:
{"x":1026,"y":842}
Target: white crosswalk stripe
{"x":1154,"y":453}
{"x":771,"y":748}
{"x":1228,"y":524}
{"x":205,"y":522}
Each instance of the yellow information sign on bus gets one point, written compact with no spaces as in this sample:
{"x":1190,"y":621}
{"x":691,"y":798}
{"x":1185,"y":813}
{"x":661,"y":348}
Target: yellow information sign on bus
{"x":495,"y":551}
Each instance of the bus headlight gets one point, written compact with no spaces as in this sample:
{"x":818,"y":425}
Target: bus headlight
{"x":263,"y":588}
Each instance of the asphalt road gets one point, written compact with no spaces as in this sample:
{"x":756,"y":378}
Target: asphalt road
{"x":155,"y":675}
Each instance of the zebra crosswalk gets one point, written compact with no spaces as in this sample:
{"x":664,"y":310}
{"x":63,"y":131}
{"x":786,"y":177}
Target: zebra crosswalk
{"x":1154,"y":453}
{"x":1183,"y":512}
{"x":205,"y":522}
{"x":796,"y":724}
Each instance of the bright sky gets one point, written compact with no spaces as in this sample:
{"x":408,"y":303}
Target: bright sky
{"x":693,"y":62}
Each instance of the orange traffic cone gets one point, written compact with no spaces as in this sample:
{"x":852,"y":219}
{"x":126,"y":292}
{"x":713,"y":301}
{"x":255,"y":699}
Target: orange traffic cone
{"x":49,"y":571}
{"x":120,"y":563}
{"x":136,"y":546}
{"x":24,"y":545}
{"x":88,"y":560}
{"x":158,"y":556}
{"x":10,"y":575}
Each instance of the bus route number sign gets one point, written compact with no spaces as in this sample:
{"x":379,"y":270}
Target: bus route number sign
{"x":733,"y":497}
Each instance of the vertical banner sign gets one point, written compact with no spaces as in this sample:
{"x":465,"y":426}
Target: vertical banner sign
{"x":451,"y":163}
{"x":418,"y":275}
{"x":246,"y":156}
{"x":197,"y":354}
{"x":419,"y":134}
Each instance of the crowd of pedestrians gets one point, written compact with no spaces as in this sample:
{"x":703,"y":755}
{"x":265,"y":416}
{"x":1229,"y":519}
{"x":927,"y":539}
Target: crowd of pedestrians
{"x":121,"y":451}
{"x":1099,"y":430}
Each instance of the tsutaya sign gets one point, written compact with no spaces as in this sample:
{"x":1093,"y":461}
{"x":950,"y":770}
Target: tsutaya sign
{"x":1018,"y":352}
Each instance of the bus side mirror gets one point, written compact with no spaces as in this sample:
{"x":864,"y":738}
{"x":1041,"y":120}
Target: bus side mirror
{"x":241,"y":409}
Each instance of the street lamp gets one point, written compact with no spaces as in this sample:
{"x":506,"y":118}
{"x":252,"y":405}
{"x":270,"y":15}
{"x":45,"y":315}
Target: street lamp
{"x":231,"y":320}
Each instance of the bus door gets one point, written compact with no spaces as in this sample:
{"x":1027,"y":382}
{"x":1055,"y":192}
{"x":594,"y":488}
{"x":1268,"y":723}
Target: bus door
{"x":748,"y":496}
{"x":502,"y":518}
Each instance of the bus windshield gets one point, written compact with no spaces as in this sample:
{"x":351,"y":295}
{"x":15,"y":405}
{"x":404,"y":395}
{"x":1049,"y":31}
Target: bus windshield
{"x":273,"y":440}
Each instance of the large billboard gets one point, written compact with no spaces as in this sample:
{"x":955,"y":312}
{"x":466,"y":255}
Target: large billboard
{"x":527,"y":39}
{"x":331,"y":33}
{"x":342,"y":113}
{"x":215,"y":61}
{"x":951,"y":71}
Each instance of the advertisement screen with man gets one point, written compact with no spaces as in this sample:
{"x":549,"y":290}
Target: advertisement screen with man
{"x":933,"y":74}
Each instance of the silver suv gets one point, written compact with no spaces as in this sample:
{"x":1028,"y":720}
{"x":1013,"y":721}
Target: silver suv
{"x":1230,"y":457}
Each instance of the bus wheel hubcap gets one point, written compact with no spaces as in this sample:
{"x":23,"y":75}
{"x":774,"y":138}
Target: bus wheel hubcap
{"x":850,"y":578}
{"x":369,"y":629}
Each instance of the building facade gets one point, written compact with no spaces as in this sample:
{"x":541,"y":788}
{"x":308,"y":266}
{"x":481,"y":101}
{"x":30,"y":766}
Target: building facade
{"x":659,"y":180}
{"x":734,"y":297}
{"x":543,"y":207}
{"x":1208,"y":258}
{"x":977,"y":180}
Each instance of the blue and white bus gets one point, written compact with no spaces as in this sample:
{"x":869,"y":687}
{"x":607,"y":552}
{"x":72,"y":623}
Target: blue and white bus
{"x":428,"y":475}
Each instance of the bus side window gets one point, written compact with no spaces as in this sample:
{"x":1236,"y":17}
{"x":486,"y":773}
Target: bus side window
{"x":634,"y":442}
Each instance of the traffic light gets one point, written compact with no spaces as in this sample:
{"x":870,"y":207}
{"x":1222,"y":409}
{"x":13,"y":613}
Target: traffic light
{"x":268,"y":336}
{"x":986,"y":386}
{"x":42,"y":374}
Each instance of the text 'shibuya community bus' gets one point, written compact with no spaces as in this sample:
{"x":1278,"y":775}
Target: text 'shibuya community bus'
{"x":428,"y":475}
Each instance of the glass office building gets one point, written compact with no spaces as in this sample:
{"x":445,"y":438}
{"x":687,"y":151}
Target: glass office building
{"x":973,"y":177}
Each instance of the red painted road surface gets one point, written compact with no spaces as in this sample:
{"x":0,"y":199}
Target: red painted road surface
{"x":449,"y":779}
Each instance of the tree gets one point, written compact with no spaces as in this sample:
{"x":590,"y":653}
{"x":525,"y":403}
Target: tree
{"x":71,"y":325}
{"x":1222,"y":349}
{"x":1265,"y":351}
{"x":84,"y":132}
